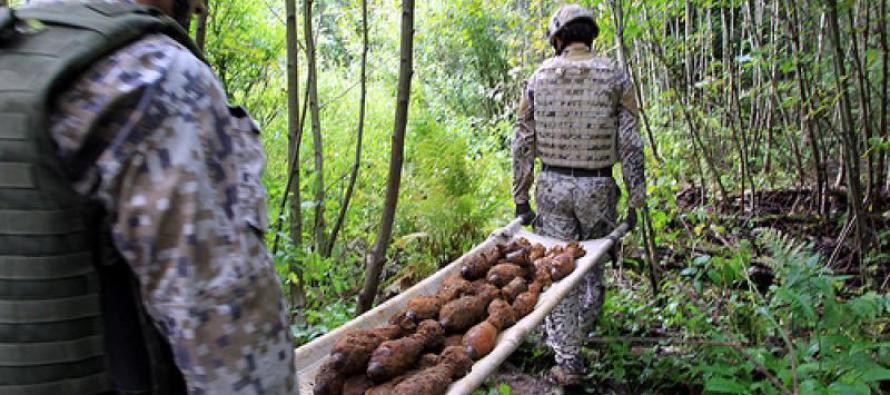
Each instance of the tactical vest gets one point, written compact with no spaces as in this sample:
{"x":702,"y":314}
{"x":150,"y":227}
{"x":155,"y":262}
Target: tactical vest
{"x":51,"y":324}
{"x":576,"y":113}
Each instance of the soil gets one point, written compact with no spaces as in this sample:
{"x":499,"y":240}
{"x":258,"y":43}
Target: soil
{"x":524,"y":384}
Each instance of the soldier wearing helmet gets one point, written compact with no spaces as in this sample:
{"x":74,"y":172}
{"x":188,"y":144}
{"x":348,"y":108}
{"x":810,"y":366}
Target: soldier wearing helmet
{"x":578,"y":114}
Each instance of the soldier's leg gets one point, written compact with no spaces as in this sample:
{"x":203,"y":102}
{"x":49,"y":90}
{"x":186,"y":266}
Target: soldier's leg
{"x":594,"y":202}
{"x":557,"y":219}
{"x":565,"y":335}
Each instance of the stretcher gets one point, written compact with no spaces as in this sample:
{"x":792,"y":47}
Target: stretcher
{"x":310,"y":356}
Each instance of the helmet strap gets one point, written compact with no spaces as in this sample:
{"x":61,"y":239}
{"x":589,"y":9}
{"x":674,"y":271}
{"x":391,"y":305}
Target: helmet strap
{"x":558,"y":45}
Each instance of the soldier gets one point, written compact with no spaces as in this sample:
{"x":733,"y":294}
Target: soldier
{"x":578,"y":114}
{"x":132,"y":255}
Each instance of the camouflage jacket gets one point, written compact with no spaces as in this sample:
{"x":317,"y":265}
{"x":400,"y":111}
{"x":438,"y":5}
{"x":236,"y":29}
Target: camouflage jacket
{"x":178,"y":172}
{"x":630,"y":146}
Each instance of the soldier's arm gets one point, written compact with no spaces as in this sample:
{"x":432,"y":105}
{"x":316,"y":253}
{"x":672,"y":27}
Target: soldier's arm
{"x":181,"y":194}
{"x":630,"y":145}
{"x":524,"y":149}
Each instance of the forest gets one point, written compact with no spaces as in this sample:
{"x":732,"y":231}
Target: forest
{"x":761,"y":263}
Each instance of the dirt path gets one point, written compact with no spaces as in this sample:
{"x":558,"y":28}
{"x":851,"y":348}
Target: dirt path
{"x":524,"y":384}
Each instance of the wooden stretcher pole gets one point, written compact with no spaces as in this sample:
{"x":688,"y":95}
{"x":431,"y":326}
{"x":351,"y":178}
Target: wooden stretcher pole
{"x":510,"y":339}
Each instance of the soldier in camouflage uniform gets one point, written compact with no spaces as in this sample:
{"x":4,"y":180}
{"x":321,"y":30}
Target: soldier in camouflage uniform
{"x":147,"y":133}
{"x":579,"y":115}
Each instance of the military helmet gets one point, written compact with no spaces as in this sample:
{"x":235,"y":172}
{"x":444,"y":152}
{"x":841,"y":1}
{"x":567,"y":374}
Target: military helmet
{"x":567,"y":14}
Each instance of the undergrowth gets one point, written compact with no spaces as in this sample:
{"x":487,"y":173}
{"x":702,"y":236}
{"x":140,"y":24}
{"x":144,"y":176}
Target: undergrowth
{"x":712,"y":331}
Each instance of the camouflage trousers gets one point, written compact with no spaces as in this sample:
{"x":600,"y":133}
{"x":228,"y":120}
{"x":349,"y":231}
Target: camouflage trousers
{"x":575,"y":208}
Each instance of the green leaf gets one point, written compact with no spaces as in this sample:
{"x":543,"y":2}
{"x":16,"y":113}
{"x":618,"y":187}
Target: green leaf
{"x":702,"y":260}
{"x":811,"y":387}
{"x":724,"y":385}
{"x":840,"y":388}
{"x":875,"y":374}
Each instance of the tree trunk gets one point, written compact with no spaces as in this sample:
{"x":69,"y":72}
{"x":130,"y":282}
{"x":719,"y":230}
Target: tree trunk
{"x":885,"y":59}
{"x":864,"y":99}
{"x":3,"y":3}
{"x":201,"y":28}
{"x":375,"y":263}
{"x":295,"y":137}
{"x":319,"y":229}
{"x":361,"y":129}
{"x":618,"y":18}
{"x":807,"y":125}
{"x":293,"y":183}
{"x":849,"y":139}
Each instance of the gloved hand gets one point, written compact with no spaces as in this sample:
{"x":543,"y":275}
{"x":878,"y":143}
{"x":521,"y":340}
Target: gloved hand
{"x":631,"y":218}
{"x":525,"y":212}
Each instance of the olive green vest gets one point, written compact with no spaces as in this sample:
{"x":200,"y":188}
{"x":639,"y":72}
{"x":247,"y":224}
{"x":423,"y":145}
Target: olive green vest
{"x":576,"y":113}
{"x":51,"y":339}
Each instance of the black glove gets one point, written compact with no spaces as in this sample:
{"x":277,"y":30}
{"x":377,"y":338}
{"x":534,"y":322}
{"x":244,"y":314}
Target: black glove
{"x":631,"y":218}
{"x":525,"y":212}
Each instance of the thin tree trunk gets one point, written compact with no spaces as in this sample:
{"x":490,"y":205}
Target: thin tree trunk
{"x":807,"y":125}
{"x":361,"y":128}
{"x":375,"y":263}
{"x":849,"y":138}
{"x":772,"y":104}
{"x":885,"y":60}
{"x":295,"y":137}
{"x":201,"y":28}
{"x":864,"y":101}
{"x":319,"y":229}
{"x":618,"y":21}
{"x":293,"y":175}
{"x":623,"y":62}
{"x":687,"y":52}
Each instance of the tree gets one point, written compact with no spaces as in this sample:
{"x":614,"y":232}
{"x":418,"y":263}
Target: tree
{"x":295,"y":137}
{"x":312,"y":83}
{"x":375,"y":262}
{"x":201,"y":29}
{"x":359,"y":135}
{"x":849,"y":139}
{"x":885,"y":73}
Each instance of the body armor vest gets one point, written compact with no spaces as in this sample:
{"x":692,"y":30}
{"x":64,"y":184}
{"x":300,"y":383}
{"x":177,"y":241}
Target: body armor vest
{"x":51,"y":324}
{"x":576,"y":113}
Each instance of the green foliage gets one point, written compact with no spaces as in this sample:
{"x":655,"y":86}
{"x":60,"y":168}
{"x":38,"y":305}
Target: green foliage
{"x":801,"y":331}
{"x":472,"y":41}
{"x":329,"y":286}
{"x":444,"y":197}
{"x":243,"y":47}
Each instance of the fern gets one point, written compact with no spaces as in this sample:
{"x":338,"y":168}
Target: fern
{"x":830,"y":344}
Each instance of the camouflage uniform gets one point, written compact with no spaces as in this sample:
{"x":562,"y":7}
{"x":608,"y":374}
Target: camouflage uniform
{"x":578,"y":208}
{"x":178,"y":172}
